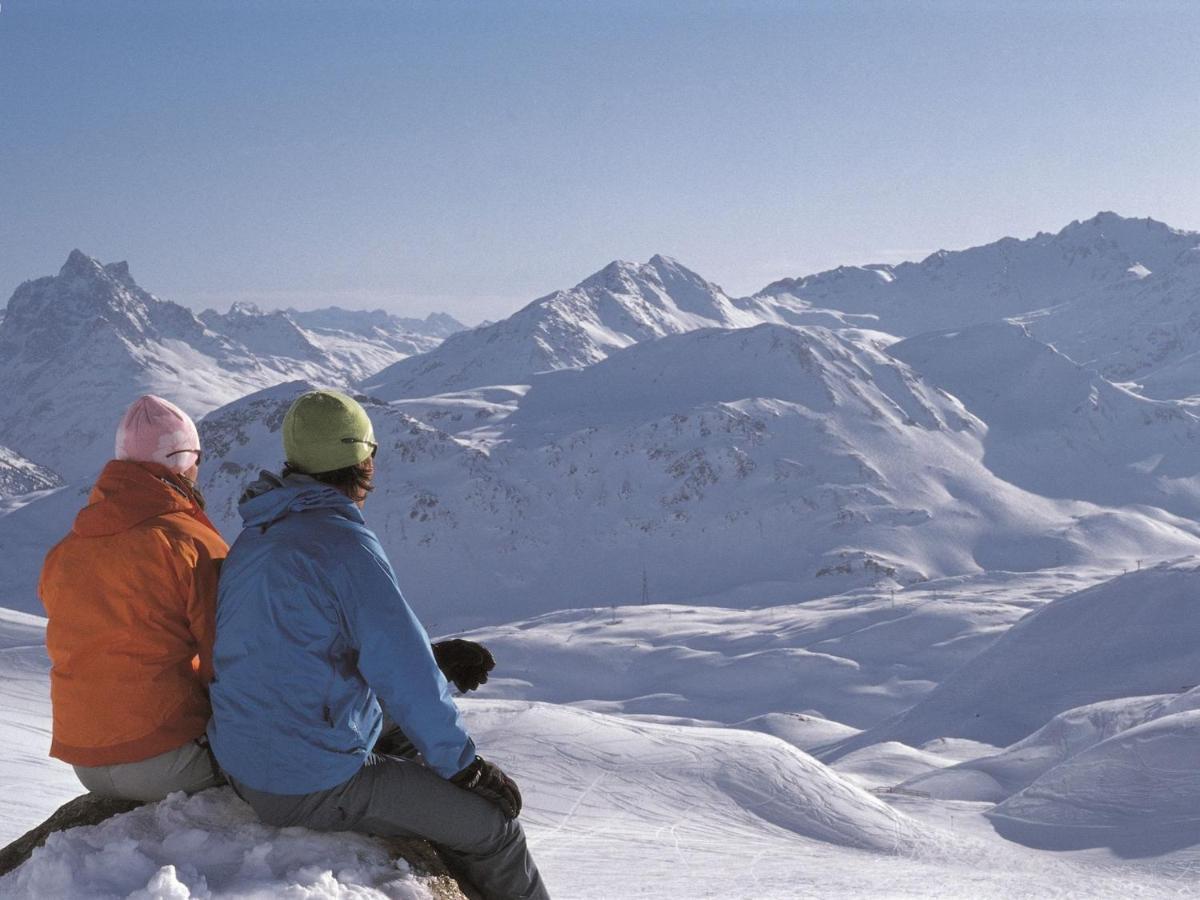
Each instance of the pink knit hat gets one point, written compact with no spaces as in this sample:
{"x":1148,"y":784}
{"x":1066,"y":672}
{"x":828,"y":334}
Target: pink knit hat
{"x":156,"y":430}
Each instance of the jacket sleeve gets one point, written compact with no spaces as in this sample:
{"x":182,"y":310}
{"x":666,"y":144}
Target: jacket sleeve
{"x":197,"y":573}
{"x":395,"y":659}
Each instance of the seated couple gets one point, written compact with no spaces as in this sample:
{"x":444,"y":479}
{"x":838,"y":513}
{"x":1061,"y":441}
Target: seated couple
{"x":289,"y":665}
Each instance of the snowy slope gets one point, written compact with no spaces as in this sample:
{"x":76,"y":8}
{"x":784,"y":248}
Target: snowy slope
{"x":995,"y":777}
{"x":31,"y":784}
{"x":1136,"y":635}
{"x":620,"y":305}
{"x":855,"y":658}
{"x":1121,"y":295}
{"x":30,"y":524}
{"x":1058,"y":429}
{"x":614,"y":807}
{"x":739,"y":466}
{"x":1137,"y":790}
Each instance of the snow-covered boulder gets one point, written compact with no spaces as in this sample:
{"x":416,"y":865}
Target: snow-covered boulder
{"x":211,"y":845}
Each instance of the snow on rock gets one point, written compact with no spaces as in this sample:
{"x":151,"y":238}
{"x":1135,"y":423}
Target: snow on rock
{"x":209,"y":845}
{"x":1138,"y":787}
{"x":1135,"y":635}
{"x":19,"y":475}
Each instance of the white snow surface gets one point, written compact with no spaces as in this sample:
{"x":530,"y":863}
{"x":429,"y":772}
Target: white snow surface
{"x":1136,"y":635}
{"x":615,"y":807}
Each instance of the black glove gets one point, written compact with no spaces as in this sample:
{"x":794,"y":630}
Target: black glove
{"x":486,"y":780}
{"x":466,"y":663}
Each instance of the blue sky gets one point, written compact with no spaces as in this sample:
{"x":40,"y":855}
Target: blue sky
{"x":472,"y":156}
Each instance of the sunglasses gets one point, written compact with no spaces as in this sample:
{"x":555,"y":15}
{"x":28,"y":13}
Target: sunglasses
{"x":374,"y":446}
{"x":199,"y":454}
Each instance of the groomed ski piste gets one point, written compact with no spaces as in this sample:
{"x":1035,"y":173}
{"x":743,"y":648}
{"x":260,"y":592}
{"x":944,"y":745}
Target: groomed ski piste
{"x":642,"y":778}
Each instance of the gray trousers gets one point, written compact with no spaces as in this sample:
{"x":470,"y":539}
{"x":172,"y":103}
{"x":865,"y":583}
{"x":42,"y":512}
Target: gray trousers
{"x":397,"y":796}
{"x":188,"y":768}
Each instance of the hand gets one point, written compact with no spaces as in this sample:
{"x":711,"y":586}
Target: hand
{"x":466,"y":663}
{"x":486,"y":780}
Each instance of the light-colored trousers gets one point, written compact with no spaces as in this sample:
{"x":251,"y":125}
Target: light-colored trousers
{"x":188,"y":768}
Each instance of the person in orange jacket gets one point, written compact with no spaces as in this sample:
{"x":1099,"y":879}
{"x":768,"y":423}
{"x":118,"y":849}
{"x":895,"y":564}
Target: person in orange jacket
{"x":131,"y":597}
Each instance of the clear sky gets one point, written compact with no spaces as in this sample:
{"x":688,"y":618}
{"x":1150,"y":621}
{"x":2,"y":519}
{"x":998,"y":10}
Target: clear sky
{"x":473,"y":156}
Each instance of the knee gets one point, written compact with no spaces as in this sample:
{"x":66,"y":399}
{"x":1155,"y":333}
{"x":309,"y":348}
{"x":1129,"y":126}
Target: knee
{"x":501,"y":835}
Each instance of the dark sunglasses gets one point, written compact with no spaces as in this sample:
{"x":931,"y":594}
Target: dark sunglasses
{"x":374,"y":446}
{"x":199,"y":454}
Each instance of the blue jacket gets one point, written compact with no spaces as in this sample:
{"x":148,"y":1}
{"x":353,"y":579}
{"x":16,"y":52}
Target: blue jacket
{"x":313,"y":635}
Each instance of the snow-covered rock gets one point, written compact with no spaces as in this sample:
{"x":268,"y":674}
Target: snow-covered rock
{"x":210,"y":845}
{"x":19,"y":475}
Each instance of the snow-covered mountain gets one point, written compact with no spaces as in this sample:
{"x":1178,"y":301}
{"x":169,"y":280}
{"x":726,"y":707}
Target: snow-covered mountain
{"x":1121,"y":295}
{"x":1058,"y":429}
{"x":620,"y":305}
{"x":740,"y":466}
{"x":77,"y":347}
{"x":378,"y":323}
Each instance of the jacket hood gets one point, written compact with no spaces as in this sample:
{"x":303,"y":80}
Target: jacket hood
{"x":128,"y":493}
{"x":272,"y":498}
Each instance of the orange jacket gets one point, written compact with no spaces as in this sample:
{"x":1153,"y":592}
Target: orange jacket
{"x":131,"y":594}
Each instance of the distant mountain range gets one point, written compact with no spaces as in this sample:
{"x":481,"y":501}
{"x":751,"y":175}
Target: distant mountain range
{"x":77,"y":347}
{"x":645,"y":434}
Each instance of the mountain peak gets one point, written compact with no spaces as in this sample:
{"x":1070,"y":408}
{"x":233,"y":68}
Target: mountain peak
{"x":1108,"y":221}
{"x":80,"y":264}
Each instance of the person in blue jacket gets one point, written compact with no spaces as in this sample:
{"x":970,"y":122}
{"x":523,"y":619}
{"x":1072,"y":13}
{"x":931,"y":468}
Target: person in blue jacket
{"x":315,"y":644}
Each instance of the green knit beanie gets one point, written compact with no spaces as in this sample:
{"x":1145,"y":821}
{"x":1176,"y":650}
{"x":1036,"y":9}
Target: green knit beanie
{"x":324,"y":431}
